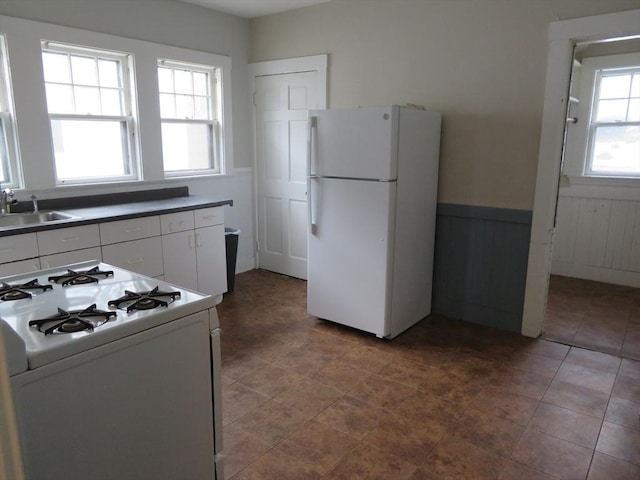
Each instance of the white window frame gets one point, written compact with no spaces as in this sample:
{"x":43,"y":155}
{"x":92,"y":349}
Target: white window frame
{"x":8,"y":140}
{"x":215,"y":122}
{"x":594,"y":125}
{"x":127,"y":121}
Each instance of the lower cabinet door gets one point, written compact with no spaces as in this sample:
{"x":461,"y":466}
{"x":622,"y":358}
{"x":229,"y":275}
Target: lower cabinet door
{"x":179,"y":259}
{"x":141,"y":256}
{"x":211,"y":259}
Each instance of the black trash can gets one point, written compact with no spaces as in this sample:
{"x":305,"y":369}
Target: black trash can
{"x":231,"y":245}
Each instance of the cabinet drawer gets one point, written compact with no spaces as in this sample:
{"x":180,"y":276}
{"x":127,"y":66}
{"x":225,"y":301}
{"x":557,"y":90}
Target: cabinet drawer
{"x":143,"y":256}
{"x":206,"y":217}
{"x":23,"y":266}
{"x":125,"y":230}
{"x":66,"y":258}
{"x":18,"y":247}
{"x":176,"y":222}
{"x":67,"y":239}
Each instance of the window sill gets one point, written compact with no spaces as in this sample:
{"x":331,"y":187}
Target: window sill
{"x":601,"y":187}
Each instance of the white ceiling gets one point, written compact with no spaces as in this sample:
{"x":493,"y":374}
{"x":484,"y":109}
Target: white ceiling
{"x":254,"y":8}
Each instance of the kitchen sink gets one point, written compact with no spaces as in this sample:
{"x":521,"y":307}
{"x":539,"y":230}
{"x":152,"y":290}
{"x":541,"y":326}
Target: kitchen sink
{"x":23,"y":219}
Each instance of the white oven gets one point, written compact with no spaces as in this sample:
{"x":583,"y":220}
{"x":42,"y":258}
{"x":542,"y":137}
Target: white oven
{"x":114,"y":375}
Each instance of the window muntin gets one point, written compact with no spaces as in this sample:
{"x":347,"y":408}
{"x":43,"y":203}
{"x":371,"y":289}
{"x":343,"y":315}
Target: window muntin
{"x":614,"y":130}
{"x":90,"y":108}
{"x":9,"y":166}
{"x":190,"y":117}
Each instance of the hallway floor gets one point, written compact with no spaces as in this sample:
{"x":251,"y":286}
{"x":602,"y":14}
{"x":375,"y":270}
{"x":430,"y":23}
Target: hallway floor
{"x":594,"y":315}
{"x":308,"y":399}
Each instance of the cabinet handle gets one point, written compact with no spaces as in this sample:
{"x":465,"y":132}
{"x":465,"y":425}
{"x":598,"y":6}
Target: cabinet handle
{"x":46,"y":265}
{"x":6,"y":249}
{"x":69,"y":239}
{"x":133,"y":261}
{"x":132,"y":229}
{"x":190,"y":241}
{"x":198,"y":241}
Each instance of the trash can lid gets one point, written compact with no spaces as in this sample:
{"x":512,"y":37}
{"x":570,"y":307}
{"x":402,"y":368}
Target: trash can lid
{"x":231,"y":231}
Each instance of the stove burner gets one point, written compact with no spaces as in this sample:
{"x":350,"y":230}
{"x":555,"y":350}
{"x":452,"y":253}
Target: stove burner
{"x":17,"y":292}
{"x":131,"y":301}
{"x":81,"y":277}
{"x":73,"y":321}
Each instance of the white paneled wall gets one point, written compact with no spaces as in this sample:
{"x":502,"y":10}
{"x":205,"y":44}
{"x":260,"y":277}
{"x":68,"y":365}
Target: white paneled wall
{"x":598,"y":239}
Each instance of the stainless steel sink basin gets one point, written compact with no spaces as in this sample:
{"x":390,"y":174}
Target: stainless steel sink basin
{"x":23,"y":219}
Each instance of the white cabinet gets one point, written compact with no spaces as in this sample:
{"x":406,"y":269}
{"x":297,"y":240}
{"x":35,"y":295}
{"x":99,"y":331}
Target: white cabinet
{"x":66,"y":258}
{"x":195,"y":258}
{"x":132,"y":229}
{"x":18,"y":247}
{"x":21,"y":266}
{"x":69,"y":245}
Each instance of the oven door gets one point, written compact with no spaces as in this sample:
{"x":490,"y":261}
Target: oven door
{"x":139,"y":407}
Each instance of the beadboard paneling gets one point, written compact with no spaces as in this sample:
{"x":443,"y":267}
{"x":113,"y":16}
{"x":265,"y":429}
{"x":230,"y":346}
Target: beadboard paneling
{"x":481,"y":264}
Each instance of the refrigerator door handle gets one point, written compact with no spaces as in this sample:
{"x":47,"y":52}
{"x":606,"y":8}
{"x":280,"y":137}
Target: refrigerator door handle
{"x":313,"y":125}
{"x":311,"y":177}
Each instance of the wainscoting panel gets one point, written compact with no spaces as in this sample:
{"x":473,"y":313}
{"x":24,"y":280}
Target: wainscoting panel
{"x":480,"y":265}
{"x":598,"y":239}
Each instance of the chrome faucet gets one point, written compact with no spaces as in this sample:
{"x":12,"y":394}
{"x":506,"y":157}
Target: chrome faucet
{"x":6,"y":199}
{"x":34,"y":200}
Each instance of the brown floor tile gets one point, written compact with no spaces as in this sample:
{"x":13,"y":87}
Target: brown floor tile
{"x":523,"y":383}
{"x":274,"y":465}
{"x":454,"y":386}
{"x":367,"y":358}
{"x":604,"y":467}
{"x":630,"y":368}
{"x":537,"y":364}
{"x":453,"y":458}
{"x":627,"y":387}
{"x":352,"y":416}
{"x":422,"y":404}
{"x":381,"y":392}
{"x":500,"y":403}
{"x":491,"y":433}
{"x":577,"y":398}
{"x":517,"y":471}
{"x":552,"y":455}
{"x":271,"y":380}
{"x":271,"y":422}
{"x":238,"y":400}
{"x":547,"y":349}
{"x":600,"y":337}
{"x":308,"y":396}
{"x":368,"y":463}
{"x":339,"y":375}
{"x":593,"y":360}
{"x":301,"y":361}
{"x":566,"y":424}
{"x":318,"y":446}
{"x":326,"y":345}
{"x":241,"y":448}
{"x":240,"y":365}
{"x":401,"y":437}
{"x":410,"y":373}
{"x":623,"y":412}
{"x":620,"y":442}
{"x":586,"y":377}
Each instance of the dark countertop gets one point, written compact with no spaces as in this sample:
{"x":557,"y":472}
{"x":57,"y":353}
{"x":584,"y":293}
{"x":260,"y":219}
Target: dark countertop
{"x":118,"y":211}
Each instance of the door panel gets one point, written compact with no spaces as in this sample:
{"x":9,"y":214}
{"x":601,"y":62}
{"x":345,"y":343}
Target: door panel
{"x":282,"y":105}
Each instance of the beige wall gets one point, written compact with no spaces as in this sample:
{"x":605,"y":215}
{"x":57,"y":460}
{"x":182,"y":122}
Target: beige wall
{"x":480,"y":62}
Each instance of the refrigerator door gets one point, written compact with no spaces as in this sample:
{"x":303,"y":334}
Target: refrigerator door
{"x":349,"y":272}
{"x":355,"y":143}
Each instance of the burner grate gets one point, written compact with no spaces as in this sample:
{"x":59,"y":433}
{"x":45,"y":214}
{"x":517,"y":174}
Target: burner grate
{"x":18,"y":292}
{"x":73,"y":321}
{"x":132,"y":301}
{"x":81,"y":277}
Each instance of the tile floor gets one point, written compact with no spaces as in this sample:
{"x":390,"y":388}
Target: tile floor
{"x":307,"y":399}
{"x":594,"y":315}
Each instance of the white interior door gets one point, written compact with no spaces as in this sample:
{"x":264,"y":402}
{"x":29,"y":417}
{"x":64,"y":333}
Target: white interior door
{"x":282,"y":104}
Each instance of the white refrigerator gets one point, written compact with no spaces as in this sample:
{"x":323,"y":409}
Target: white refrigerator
{"x":372,"y":192}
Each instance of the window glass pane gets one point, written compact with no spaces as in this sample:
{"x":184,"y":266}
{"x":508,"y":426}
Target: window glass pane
{"x":89,"y":149}
{"x":616,"y":150}
{"x":167,"y":105}
{"x":200,"y":83}
{"x":186,"y":146}
{"x":110,"y":102}
{"x":634,"y":111}
{"x":84,"y":71}
{"x":612,"y":111}
{"x":615,"y":86}
{"x":202,"y":108}
{"x":184,"y":107}
{"x":108,"y":71}
{"x":56,"y":67}
{"x":4,"y":155}
{"x":165,"y":80}
{"x":183,"y":81}
{"x":87,"y":101}
{"x":59,"y":99}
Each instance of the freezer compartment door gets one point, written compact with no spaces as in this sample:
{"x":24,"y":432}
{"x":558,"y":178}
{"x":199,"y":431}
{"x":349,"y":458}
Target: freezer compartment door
{"x":349,"y":272}
{"x":355,"y":143}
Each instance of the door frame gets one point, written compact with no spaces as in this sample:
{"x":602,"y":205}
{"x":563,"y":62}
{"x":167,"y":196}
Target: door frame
{"x":314,"y":63}
{"x":563,"y":36}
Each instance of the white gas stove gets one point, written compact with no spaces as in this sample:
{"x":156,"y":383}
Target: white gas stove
{"x":98,"y":355}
